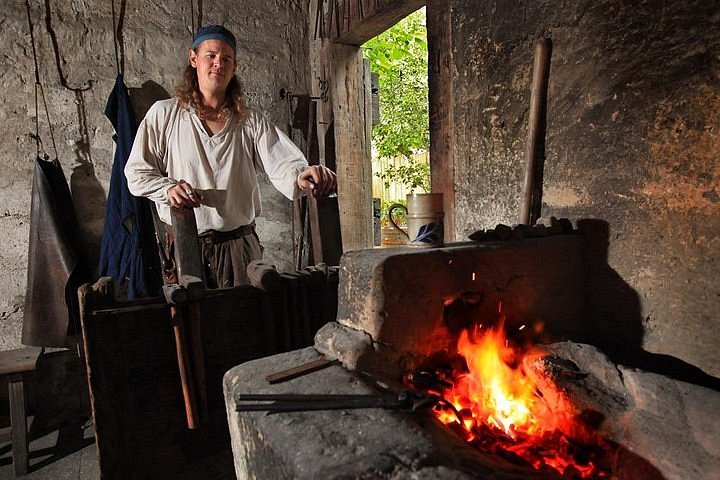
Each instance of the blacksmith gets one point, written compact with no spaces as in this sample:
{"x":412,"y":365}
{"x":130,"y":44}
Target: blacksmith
{"x":203,"y":148}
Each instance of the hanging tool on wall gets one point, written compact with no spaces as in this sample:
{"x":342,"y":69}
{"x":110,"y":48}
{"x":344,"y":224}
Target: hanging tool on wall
{"x":302,"y":114}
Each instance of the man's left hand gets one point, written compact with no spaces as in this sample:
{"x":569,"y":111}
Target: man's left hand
{"x":319,"y":180}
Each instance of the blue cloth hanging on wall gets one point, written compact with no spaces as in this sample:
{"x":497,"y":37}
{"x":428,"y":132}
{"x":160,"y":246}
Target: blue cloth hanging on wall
{"x":128,"y":250}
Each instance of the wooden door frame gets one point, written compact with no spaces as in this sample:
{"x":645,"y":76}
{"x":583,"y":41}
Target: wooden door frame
{"x":337,"y":59}
{"x":440,"y":108}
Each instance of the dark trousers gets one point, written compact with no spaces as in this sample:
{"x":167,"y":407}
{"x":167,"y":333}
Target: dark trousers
{"x":225,"y":256}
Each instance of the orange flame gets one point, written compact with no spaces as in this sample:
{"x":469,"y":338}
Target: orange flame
{"x":495,"y":392}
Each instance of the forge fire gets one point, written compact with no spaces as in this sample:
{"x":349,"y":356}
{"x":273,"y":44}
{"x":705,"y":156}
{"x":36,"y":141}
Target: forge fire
{"x":490,"y":401}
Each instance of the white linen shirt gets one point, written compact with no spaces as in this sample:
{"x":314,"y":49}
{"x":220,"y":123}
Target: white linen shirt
{"x":172,"y":145}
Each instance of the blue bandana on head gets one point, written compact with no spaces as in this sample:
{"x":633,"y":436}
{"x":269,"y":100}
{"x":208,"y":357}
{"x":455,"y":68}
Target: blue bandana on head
{"x":214,"y":32}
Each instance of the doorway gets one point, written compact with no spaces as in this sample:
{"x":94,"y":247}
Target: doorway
{"x":340,"y":28}
{"x":400,"y":140}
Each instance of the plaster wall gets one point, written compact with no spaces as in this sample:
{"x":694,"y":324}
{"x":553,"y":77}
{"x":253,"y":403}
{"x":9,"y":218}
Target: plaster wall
{"x":77,"y":72}
{"x":632,"y":139}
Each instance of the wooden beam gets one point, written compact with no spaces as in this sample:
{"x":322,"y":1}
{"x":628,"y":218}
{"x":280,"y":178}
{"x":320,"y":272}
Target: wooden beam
{"x":440,"y":92}
{"x":531,"y":205}
{"x":327,"y":223}
{"x":352,"y":146}
{"x":361,"y":20}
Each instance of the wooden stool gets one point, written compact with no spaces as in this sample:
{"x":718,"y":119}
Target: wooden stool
{"x":15,"y":364}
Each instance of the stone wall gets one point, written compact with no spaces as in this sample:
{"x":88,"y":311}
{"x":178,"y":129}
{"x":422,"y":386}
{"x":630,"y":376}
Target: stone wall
{"x":632,"y":139}
{"x":400,"y":306}
{"x":74,"y":42}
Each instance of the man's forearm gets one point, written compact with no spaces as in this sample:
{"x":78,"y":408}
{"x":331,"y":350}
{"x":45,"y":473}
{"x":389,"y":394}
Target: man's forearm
{"x":145,"y":182}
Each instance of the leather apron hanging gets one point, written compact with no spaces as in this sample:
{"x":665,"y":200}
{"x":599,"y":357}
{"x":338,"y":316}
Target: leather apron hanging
{"x":54,"y":269}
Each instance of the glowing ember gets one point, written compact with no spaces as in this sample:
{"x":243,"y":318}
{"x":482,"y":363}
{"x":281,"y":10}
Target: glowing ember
{"x":498,"y":408}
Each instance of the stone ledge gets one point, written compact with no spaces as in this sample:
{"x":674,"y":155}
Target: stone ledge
{"x":660,"y":427}
{"x":321,"y":444}
{"x":342,"y":343}
{"x":342,"y":444}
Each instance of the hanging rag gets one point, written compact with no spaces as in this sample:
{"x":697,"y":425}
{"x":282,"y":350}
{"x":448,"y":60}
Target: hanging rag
{"x":55,"y":265}
{"x":128,"y":248}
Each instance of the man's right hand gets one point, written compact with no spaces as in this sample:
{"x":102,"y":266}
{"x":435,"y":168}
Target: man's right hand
{"x":183,"y":195}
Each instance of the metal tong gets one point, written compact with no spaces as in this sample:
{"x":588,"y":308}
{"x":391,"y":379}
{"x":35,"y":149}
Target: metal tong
{"x":405,"y":400}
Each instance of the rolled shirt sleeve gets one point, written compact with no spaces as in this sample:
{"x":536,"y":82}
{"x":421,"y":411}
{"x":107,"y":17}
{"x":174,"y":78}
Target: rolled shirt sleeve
{"x":145,"y":169}
{"x":281,"y":159}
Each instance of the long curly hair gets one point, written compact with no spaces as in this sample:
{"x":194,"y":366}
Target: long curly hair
{"x":188,"y":94}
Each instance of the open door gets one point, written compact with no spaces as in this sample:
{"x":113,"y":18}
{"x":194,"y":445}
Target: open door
{"x":338,"y":28}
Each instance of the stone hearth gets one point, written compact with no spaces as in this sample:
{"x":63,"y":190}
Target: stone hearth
{"x":663,"y":428}
{"x":397,"y":307}
{"x":343,"y":444}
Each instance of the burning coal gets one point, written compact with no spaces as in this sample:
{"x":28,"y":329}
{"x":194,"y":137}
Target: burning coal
{"x":492,"y":403}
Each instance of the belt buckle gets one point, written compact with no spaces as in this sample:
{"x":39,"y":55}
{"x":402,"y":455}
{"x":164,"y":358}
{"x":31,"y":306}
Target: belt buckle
{"x":208,"y":238}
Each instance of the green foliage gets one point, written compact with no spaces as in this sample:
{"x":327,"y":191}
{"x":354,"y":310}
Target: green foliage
{"x":398,"y":214}
{"x":399,"y":56}
{"x":415,"y":174}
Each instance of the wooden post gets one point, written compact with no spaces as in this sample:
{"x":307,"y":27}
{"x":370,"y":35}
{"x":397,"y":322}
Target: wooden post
{"x":18,"y":422}
{"x":440,"y":87}
{"x":110,"y":450}
{"x":324,"y":213}
{"x":352,"y":147}
{"x":535,"y":145}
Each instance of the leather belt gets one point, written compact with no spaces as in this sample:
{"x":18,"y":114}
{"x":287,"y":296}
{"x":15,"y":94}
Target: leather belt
{"x":213,"y":237}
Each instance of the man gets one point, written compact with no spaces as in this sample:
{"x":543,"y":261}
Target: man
{"x":202,"y":150}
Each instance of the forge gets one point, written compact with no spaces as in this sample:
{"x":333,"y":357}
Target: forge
{"x":401,"y":315}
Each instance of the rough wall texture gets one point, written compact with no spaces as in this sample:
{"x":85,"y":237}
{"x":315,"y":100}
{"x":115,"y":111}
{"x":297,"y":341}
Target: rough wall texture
{"x":632,"y":139}
{"x":74,"y":43}
{"x":409,"y":317}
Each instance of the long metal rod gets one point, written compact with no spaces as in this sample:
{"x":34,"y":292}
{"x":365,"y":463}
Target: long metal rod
{"x":302,"y":402}
{"x":300,"y":370}
{"x":300,"y":397}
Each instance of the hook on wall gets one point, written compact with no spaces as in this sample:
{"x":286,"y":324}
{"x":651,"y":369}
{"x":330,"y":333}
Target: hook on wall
{"x":322,"y":83}
{"x":288,"y":95}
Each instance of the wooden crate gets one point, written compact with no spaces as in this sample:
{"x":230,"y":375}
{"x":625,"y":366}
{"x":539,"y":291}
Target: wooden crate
{"x":131,"y":361}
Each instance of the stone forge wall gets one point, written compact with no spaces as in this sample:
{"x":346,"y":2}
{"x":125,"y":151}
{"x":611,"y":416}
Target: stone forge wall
{"x":272,"y":54}
{"x":401,"y":306}
{"x":632,"y":139}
